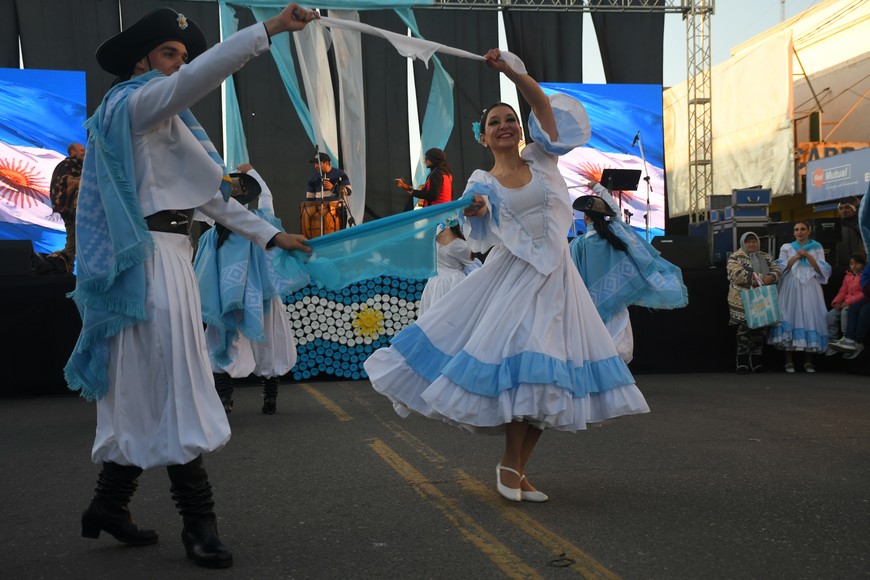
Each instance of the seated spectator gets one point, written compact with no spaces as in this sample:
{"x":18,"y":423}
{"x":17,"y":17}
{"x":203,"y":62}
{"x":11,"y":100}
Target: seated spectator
{"x":850,"y":292}
{"x":858,"y":325}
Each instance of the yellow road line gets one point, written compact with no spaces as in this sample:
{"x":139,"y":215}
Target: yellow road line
{"x":413,"y":441}
{"x":584,"y":564}
{"x":330,"y":406}
{"x":500,"y":555}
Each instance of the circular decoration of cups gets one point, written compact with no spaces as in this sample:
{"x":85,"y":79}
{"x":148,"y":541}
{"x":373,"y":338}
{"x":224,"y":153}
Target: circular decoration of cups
{"x":336,"y":331}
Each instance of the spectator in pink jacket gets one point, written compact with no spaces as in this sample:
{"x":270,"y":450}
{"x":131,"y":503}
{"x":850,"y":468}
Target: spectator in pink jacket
{"x":850,"y":292}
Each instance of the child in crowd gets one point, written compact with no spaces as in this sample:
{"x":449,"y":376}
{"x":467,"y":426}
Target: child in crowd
{"x":850,"y":292}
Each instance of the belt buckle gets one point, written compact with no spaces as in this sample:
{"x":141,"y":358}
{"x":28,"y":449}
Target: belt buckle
{"x":176,"y":214}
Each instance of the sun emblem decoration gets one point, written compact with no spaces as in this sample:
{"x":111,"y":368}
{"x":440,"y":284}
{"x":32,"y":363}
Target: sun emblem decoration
{"x":21,"y":184}
{"x":368,"y":322}
{"x":182,"y":21}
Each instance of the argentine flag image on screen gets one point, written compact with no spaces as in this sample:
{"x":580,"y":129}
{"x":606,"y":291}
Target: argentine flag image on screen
{"x":41,"y":113}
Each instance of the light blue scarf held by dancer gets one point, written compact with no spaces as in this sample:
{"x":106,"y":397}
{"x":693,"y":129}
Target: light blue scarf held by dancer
{"x":112,"y":241}
{"x":237,"y":283}
{"x":638,"y":276}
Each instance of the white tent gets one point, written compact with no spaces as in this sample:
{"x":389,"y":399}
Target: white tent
{"x":763,"y":95}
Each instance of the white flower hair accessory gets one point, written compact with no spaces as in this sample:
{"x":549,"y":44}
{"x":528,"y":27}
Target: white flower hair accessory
{"x":182,"y":21}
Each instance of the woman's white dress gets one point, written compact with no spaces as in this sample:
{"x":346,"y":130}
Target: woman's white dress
{"x":520,"y":339}
{"x":276,"y":355}
{"x":453,"y":259}
{"x":804,"y":323}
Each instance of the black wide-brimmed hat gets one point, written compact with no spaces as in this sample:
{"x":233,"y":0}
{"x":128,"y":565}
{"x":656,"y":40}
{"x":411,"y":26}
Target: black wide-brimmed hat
{"x":245,"y":188}
{"x":120,"y":53}
{"x":593,"y":204}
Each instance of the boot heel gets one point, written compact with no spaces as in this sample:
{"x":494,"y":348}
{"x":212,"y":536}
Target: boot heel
{"x":90,"y":529}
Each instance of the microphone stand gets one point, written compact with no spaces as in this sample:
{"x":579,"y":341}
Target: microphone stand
{"x":645,"y":178}
{"x":322,"y":178}
{"x":350,"y":221}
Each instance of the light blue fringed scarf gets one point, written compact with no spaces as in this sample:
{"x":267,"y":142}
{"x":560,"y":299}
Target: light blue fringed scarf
{"x":112,"y":241}
{"x":809,"y":246}
{"x":237,"y":283}
{"x":639,"y":276}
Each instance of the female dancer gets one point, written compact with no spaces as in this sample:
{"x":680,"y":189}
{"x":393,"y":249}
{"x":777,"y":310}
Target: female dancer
{"x":518,"y":347}
{"x":804,"y":324}
{"x":454,"y":263}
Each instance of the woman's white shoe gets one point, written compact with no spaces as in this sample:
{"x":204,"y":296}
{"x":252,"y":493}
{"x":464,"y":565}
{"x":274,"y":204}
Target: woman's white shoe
{"x":535,"y":496}
{"x":507,"y":492}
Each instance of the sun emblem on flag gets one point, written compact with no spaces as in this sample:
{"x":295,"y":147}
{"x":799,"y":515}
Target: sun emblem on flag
{"x":368,"y":322}
{"x":182,"y":21}
{"x":21,"y":184}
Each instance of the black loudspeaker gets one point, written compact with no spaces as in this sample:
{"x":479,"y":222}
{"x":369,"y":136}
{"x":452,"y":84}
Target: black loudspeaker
{"x":16,"y":257}
{"x":827,"y":230}
{"x":685,"y":252}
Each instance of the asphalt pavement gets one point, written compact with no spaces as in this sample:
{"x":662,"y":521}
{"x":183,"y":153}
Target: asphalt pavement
{"x":756,"y":476}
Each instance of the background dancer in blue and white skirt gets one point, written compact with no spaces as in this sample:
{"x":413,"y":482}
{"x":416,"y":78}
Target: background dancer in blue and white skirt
{"x":518,"y":346}
{"x":454,"y":262}
{"x":248,"y":330}
{"x":621,"y":269}
{"x":804,"y":325}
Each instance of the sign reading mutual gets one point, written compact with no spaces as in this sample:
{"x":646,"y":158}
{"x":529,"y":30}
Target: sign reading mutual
{"x":838,"y":176}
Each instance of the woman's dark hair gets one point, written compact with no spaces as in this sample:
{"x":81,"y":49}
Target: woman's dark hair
{"x":859,"y":257}
{"x":458,"y":231}
{"x":603,"y":228}
{"x":486,"y":112}
{"x":439,"y":159}
{"x":223,"y":233}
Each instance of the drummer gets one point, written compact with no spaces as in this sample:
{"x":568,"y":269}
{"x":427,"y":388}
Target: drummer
{"x":327,"y":182}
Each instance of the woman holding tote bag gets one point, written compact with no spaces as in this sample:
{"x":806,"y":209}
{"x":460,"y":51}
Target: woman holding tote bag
{"x":747,"y":267}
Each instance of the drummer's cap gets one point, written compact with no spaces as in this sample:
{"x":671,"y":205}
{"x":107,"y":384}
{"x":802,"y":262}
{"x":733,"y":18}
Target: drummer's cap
{"x":321,"y":158}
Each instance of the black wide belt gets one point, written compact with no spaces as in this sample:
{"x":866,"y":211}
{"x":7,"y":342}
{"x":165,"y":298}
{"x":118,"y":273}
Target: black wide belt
{"x":173,"y":221}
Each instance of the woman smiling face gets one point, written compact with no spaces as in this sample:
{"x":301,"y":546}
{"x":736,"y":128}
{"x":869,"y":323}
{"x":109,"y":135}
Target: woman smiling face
{"x":801,"y":232}
{"x":501,"y":128}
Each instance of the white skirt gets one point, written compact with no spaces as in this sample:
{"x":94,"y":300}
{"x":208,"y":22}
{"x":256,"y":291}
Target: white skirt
{"x":162,"y":407}
{"x":508,"y":344}
{"x":273,"y":357}
{"x":438,"y":286}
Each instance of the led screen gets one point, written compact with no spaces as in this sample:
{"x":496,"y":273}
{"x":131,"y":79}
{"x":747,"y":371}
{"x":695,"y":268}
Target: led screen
{"x":41,"y":113}
{"x":617,"y":114}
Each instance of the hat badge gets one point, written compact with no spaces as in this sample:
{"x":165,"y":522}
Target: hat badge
{"x":182,"y":21}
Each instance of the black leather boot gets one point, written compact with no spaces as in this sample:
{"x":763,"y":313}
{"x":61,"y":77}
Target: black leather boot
{"x":192,"y":494}
{"x":742,"y":364}
{"x":108,"y":510}
{"x":270,"y":395}
{"x":223,"y":384}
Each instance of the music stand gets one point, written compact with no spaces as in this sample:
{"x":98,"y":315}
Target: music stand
{"x":620,"y":179}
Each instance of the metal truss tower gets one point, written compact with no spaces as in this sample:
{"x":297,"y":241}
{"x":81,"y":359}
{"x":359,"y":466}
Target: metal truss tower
{"x":697,"y":14}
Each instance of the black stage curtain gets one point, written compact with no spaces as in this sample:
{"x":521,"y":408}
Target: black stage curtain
{"x":550,"y":44}
{"x":631,"y":44}
{"x":64,"y":35}
{"x":278,"y":146}
{"x":8,"y":34}
{"x":386,"y":105}
{"x":474,"y":86}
